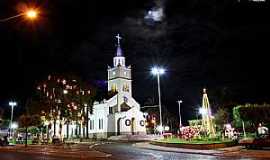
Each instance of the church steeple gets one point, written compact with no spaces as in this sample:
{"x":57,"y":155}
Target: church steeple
{"x":119,"y":76}
{"x":119,"y":52}
{"x":119,"y":59}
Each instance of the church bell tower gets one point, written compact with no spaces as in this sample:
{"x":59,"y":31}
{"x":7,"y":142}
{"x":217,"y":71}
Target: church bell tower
{"x":119,"y":76}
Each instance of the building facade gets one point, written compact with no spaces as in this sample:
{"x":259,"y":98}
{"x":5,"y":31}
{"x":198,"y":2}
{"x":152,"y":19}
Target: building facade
{"x":119,"y":115}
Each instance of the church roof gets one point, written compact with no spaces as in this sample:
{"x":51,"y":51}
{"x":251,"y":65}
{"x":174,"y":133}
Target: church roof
{"x":119,"y":52}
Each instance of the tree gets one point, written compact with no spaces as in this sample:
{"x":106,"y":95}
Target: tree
{"x":251,"y":114}
{"x":221,"y":118}
{"x":27,"y":120}
{"x":63,"y":97}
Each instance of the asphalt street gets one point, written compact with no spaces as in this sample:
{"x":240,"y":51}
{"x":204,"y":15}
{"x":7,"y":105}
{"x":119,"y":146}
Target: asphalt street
{"x":129,"y":152}
{"x":99,"y":151}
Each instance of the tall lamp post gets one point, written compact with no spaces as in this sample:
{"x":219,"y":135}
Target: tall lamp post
{"x":180,"y":119}
{"x":12,"y":104}
{"x":157,"y":71}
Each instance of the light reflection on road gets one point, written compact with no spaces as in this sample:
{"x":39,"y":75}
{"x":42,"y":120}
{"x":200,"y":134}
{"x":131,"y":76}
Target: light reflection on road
{"x":129,"y":152}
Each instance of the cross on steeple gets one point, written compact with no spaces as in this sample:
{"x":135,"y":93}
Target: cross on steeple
{"x":118,"y":38}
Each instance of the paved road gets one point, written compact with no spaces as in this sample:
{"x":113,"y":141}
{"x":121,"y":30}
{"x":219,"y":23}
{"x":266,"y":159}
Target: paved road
{"x":129,"y":152}
{"x":118,"y":151}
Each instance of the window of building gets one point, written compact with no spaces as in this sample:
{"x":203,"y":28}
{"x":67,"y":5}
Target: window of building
{"x":110,"y":110}
{"x":125,"y":88}
{"x":92,"y":124}
{"x":113,"y":87}
{"x":100,"y":124}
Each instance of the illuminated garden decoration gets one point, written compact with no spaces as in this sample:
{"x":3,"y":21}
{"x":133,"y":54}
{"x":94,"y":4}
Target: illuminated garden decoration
{"x":188,"y":132}
{"x":207,"y":122}
{"x":66,"y":101}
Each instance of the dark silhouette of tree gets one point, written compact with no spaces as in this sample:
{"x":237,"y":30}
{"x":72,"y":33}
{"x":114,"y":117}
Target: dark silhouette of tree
{"x":221,"y":118}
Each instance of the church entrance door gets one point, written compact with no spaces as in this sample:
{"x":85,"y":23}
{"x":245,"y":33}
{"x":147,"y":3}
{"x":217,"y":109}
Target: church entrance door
{"x":118,"y":126}
{"x":133,"y":125}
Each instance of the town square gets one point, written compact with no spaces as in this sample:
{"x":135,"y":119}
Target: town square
{"x":150,"y":80}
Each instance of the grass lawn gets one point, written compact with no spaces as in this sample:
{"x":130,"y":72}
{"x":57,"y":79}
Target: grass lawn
{"x":182,"y":141}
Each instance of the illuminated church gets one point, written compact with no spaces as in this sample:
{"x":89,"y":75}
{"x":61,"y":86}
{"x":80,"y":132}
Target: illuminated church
{"x":120,"y":114}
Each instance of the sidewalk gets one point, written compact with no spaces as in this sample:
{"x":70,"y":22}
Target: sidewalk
{"x":73,"y":151}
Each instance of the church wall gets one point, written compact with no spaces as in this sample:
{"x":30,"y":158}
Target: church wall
{"x":112,"y":124}
{"x":99,"y":115}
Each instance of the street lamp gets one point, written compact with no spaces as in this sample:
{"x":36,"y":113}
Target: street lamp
{"x":12,"y":104}
{"x":157,"y":71}
{"x":202,"y":111}
{"x":29,"y":14}
{"x":180,"y":120}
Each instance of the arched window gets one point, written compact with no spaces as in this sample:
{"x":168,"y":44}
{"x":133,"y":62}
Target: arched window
{"x":113,"y":87}
{"x":125,"y":88}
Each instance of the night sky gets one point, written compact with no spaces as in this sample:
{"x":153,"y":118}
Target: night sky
{"x":218,"y":44}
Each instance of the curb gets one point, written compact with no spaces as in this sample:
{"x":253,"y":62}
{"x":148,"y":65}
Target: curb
{"x":186,"y":152}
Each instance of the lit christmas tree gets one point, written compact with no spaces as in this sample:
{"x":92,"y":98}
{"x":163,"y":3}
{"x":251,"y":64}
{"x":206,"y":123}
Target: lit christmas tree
{"x":207,"y":117}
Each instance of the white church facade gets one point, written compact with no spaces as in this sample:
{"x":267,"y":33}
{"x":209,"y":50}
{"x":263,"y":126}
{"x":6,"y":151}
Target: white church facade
{"x":120,"y":114}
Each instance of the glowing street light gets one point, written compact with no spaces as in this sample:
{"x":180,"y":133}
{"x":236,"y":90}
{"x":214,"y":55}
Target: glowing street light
{"x":29,"y":14}
{"x":157,"y":71}
{"x":180,"y":120}
{"x":12,"y":104}
{"x":202,"y":111}
{"x":14,"y":125}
